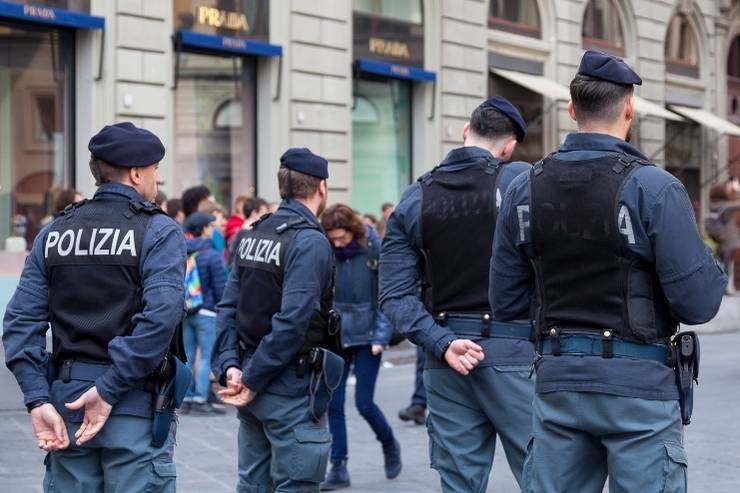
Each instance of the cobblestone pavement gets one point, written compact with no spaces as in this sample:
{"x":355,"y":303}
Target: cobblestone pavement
{"x":206,"y":452}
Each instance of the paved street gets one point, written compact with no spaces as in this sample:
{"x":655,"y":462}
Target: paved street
{"x":206,"y":446}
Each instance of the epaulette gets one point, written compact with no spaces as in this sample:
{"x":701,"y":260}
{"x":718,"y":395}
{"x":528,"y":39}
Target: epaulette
{"x":73,"y":206}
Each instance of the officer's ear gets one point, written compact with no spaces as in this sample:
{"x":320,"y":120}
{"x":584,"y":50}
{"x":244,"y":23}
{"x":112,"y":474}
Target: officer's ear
{"x":508,"y":149}
{"x":465,"y":131}
{"x":572,"y":111}
{"x":629,"y":109}
{"x":134,"y":175}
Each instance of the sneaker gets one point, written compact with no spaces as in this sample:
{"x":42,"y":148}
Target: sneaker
{"x":415,"y":413}
{"x":392,"y":456}
{"x":205,"y":409}
{"x":185,"y":408}
{"x":337,"y":477}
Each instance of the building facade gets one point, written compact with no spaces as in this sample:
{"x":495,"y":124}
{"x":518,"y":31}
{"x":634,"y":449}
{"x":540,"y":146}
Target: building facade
{"x":381,"y":88}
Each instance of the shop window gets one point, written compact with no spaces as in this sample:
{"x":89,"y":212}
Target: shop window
{"x":406,"y":11}
{"x":682,"y":155}
{"x":515,"y":16}
{"x":531,"y":106}
{"x":681,"y":48}
{"x":215,"y":125}
{"x":381,"y":142}
{"x":602,"y":29}
{"x":36,"y":92}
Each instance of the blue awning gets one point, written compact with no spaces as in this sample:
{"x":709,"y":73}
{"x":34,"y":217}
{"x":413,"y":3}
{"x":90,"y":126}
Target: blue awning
{"x":229,"y":44}
{"x":396,"y":71}
{"x":39,"y":14}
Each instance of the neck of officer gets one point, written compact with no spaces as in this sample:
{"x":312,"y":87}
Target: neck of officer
{"x":493,"y":147}
{"x":311,"y":203}
{"x":616,"y":129}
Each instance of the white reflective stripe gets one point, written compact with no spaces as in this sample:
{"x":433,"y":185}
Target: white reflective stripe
{"x":207,"y":313}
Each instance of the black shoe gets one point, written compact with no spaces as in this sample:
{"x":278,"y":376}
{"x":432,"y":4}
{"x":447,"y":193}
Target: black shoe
{"x":337,"y":477}
{"x":415,"y":413}
{"x":205,"y":409}
{"x":185,"y":408}
{"x":392,"y":456}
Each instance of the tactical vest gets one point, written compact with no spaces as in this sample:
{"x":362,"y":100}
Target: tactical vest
{"x":458,"y":220}
{"x":587,"y":278}
{"x":261,"y":253}
{"x":92,"y":253}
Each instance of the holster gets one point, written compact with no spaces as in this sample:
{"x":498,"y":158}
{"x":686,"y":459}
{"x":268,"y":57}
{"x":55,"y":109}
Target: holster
{"x":686,"y":347}
{"x":327,"y":369}
{"x":171,"y":381}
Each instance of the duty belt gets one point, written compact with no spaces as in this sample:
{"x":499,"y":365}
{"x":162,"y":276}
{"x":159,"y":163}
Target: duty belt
{"x":483,"y":325}
{"x":89,"y":372}
{"x":595,"y":345}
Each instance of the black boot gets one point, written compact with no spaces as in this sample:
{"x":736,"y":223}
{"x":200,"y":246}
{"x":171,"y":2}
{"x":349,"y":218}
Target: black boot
{"x":414,"y":412}
{"x":392,"y":455}
{"x":337,"y":477}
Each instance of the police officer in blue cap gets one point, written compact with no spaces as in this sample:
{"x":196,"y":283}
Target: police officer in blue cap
{"x":440,"y":238}
{"x":275,"y":330}
{"x":612,"y":244}
{"x":103,"y":275}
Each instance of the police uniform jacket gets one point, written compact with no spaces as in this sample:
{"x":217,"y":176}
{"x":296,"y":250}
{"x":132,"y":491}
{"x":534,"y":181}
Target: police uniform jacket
{"x":134,"y":356}
{"x":307,"y":274}
{"x":659,"y":228}
{"x":400,"y":274}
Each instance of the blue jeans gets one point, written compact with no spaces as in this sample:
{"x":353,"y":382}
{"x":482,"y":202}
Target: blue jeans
{"x":366,"y":372}
{"x":581,"y":438}
{"x":199,"y":331}
{"x":120,"y":457}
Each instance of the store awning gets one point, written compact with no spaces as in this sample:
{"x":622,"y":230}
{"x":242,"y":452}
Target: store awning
{"x":707,"y":119}
{"x":537,"y":83}
{"x":51,"y":16}
{"x":556,"y":91}
{"x":228,"y":44}
{"x":395,"y":71}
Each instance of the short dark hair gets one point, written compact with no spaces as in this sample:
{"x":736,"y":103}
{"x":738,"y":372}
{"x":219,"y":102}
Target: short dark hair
{"x":597,"y":100}
{"x":173,"y":207}
{"x":105,"y":172}
{"x":65,"y":197}
{"x":489,"y":123}
{"x":192,"y":197}
{"x":253,"y":204}
{"x":296,"y":184}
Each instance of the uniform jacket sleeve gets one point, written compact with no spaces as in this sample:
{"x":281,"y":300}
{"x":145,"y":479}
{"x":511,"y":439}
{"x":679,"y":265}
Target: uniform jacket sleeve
{"x":400,"y":277}
{"x":162,"y":272}
{"x":307,"y":273}
{"x":25,"y":324}
{"x":225,"y":349}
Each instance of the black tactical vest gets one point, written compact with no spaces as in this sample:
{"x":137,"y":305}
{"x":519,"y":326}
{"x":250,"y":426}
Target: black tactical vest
{"x":458,"y":219}
{"x":587,"y":279}
{"x":92,"y":253}
{"x":261,"y":253}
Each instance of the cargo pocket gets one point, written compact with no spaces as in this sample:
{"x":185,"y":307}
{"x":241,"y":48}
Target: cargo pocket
{"x":310,"y":454}
{"x":163,"y":478}
{"x":434,"y":451}
{"x":674,"y":473}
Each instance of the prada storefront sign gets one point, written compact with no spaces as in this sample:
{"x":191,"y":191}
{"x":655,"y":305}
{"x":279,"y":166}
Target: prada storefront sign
{"x":388,"y":40}
{"x":237,"y":18}
{"x":44,"y":8}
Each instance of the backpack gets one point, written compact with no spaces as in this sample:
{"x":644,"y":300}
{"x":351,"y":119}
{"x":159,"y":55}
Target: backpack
{"x":193,"y":293}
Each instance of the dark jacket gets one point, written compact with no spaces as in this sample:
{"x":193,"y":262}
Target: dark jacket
{"x":211,"y":269}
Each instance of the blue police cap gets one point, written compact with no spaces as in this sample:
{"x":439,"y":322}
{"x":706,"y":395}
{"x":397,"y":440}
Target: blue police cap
{"x":123,"y":144}
{"x":504,"y":106}
{"x":304,"y":161}
{"x":607,"y":67}
{"x":196,"y":221}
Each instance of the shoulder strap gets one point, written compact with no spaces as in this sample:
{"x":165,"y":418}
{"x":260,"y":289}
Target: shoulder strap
{"x":71,"y":207}
{"x":142,"y":206}
{"x":295,"y":223}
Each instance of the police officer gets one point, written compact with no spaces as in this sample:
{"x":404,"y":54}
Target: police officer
{"x":270,"y":320}
{"x":476,"y":373}
{"x":104,"y":275}
{"x":612,"y":242}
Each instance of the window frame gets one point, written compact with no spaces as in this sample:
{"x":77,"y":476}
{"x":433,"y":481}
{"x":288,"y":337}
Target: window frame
{"x":678,"y":66}
{"x":509,"y":26}
{"x":588,"y":42}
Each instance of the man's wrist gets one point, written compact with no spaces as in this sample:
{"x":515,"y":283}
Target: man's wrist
{"x":34,"y":404}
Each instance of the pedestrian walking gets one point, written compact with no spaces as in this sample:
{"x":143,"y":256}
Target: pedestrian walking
{"x":365,"y":334}
{"x":476,"y":374}
{"x":276,"y":334}
{"x":106,"y":275}
{"x":612,"y":243}
{"x":207,"y":274}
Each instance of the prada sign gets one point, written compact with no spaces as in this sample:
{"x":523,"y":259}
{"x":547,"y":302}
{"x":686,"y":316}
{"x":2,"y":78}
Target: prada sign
{"x":240,"y":18}
{"x":388,"y":40}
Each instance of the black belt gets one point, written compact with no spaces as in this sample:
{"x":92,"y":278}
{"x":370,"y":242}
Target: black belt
{"x":483,"y":325}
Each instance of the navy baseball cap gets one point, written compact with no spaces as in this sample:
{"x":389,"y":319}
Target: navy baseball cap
{"x":196,"y":221}
{"x":124,"y":144}
{"x":607,"y":67}
{"x":304,"y":161}
{"x":507,"y":108}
